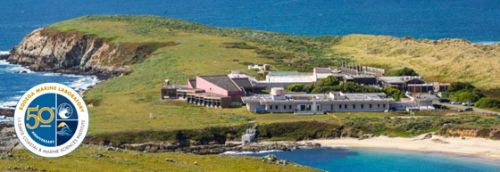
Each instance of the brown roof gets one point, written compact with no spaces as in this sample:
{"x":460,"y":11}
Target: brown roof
{"x":243,"y":82}
{"x":222,"y":81}
{"x":192,"y":82}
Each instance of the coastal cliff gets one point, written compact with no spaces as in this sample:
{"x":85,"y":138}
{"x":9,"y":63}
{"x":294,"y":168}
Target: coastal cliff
{"x":74,"y":52}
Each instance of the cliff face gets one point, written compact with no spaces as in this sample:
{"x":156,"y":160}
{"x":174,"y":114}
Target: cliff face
{"x":73,"y":52}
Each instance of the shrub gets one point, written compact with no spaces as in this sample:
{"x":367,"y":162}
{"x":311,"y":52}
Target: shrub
{"x":457,"y":86}
{"x":328,"y":81}
{"x":295,"y":88}
{"x":488,"y":103}
{"x":395,"y":93}
{"x":466,"y":96}
{"x":405,"y":72}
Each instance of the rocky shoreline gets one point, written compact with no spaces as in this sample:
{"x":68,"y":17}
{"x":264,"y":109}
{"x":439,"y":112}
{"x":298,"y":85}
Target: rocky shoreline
{"x":218,"y":148}
{"x":8,"y":139}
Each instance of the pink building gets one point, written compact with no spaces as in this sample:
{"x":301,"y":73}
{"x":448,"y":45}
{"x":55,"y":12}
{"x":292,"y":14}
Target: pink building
{"x":211,"y":91}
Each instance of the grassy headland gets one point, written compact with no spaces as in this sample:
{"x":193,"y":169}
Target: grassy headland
{"x":131,"y":103}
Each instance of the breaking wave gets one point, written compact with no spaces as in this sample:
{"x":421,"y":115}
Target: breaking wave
{"x":248,"y":152}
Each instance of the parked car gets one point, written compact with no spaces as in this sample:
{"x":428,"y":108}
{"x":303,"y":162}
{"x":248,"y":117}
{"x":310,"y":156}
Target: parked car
{"x":455,"y":103}
{"x":438,"y":106}
{"x":467,"y":109}
{"x":443,"y":100}
{"x":468,"y":104}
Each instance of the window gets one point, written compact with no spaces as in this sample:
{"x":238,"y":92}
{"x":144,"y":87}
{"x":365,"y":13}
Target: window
{"x":378,"y":105}
{"x":340,"y":106}
{"x":370,"y":106}
{"x":271,"y":107}
{"x":354,"y":106}
{"x":277,"y":107}
{"x":284,"y":106}
{"x":384,"y":105}
{"x":362,"y":106}
{"x":290,"y":106}
{"x":345,"y":106}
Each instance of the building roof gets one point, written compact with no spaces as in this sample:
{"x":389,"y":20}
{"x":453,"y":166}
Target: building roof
{"x":290,"y":77}
{"x":398,"y":79}
{"x":322,"y":70}
{"x":331,"y":97}
{"x":242,"y":82}
{"x":192,"y":82}
{"x":222,"y":81}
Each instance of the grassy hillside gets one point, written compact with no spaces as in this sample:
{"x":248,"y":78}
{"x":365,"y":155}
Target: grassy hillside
{"x":93,"y":158}
{"x":132,"y":102}
{"x":443,"y":60}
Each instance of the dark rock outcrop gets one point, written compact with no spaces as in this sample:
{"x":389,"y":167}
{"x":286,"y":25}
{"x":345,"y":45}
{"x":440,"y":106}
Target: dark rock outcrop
{"x":214,"y":148}
{"x":8,"y":139}
{"x":73,"y":52}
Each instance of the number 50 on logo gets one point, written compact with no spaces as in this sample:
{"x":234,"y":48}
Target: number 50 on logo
{"x":51,"y":120}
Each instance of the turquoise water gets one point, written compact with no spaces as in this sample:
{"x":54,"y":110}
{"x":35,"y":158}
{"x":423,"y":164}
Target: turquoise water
{"x":342,"y":159}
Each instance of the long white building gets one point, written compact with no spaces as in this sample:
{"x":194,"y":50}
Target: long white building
{"x":278,"y":102}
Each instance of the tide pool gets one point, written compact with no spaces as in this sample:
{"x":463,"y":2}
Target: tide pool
{"x":343,"y":159}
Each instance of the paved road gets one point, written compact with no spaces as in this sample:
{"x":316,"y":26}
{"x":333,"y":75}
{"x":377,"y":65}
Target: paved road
{"x":474,"y":108}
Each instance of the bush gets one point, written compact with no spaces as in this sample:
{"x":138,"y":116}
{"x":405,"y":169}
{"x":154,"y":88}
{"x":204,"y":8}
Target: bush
{"x":466,"y":96}
{"x":395,"y":93}
{"x":463,"y":91}
{"x":457,"y":86}
{"x":405,"y":72}
{"x":328,"y":81}
{"x":295,"y":87}
{"x":488,"y":103}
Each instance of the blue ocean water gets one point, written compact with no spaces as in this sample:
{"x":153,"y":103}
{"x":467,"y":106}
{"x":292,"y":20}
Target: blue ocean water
{"x":476,"y":20}
{"x":15,"y":80}
{"x":373,"y":160}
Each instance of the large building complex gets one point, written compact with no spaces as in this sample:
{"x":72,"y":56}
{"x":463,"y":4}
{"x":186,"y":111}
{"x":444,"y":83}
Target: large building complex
{"x":278,"y":102}
{"x":237,"y":88}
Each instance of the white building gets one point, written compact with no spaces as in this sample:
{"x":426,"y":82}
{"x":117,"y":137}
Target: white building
{"x":278,"y":102}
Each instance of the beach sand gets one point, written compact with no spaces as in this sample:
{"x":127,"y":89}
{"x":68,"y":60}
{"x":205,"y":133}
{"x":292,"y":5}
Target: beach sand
{"x":477,"y":147}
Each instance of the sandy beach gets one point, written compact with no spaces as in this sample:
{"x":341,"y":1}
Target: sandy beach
{"x":477,"y":147}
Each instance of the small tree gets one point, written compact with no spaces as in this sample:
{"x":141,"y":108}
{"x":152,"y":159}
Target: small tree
{"x":296,"y":87}
{"x":328,"y":81}
{"x":457,"y":86}
{"x":405,"y":72}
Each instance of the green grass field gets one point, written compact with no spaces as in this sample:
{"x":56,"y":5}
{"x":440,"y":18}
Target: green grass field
{"x":132,"y":102}
{"x":94,"y":158}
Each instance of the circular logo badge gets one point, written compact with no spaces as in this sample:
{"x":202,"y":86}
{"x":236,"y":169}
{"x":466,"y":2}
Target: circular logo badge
{"x":51,"y":120}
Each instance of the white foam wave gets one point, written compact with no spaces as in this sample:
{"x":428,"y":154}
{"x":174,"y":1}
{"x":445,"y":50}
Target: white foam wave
{"x":84,"y":83}
{"x":18,"y":69}
{"x":8,"y":104}
{"x":4,"y":62}
{"x":248,"y":152}
{"x":4,"y":52}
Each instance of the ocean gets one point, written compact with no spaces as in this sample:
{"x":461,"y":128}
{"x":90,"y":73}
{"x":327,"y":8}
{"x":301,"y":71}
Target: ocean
{"x":475,"y":20}
{"x":15,"y":80}
{"x":374,"y":160}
